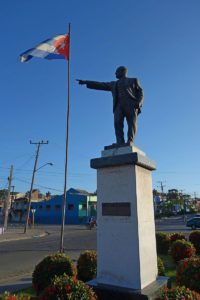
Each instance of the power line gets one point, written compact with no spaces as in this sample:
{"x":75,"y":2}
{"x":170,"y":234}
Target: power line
{"x":26,"y":162}
{"x":53,"y":173}
{"x":38,"y":185}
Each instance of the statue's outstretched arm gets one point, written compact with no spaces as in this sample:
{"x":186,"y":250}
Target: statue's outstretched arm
{"x":80,"y":81}
{"x":96,"y":85}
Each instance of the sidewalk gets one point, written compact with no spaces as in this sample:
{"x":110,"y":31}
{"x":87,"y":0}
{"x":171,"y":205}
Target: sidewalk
{"x":15,"y":233}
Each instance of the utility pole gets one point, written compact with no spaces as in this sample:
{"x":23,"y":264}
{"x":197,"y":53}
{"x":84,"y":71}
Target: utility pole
{"x":32,"y":181}
{"x":12,"y":196}
{"x":184,"y":205}
{"x":194,"y":201}
{"x":162,"y":192}
{"x":7,"y":203}
{"x":161,"y":186}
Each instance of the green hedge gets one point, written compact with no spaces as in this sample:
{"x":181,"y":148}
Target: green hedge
{"x":56,"y":264}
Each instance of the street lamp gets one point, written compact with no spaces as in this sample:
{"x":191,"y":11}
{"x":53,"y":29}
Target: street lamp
{"x":30,"y":193}
{"x":49,"y":163}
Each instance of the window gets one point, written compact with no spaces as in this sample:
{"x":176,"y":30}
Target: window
{"x":70,"y":206}
{"x":48,"y":207}
{"x":57,"y":207}
{"x":82,"y":206}
{"x":40,"y":206}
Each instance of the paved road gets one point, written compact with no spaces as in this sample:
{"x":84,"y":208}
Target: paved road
{"x":173,"y":224}
{"x":18,"y":258}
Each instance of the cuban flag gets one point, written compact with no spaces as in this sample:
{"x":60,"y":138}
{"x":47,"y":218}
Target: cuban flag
{"x":54,"y":48}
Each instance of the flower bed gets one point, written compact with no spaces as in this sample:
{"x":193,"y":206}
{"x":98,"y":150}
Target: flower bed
{"x":67,"y":288}
{"x":161,"y":268}
{"x":87,"y":266}
{"x":188,"y":273}
{"x":177,"y":236}
{"x":194,"y":238}
{"x":56,"y":264}
{"x":178,"y":293}
{"x":162,"y":242}
{"x":21,"y":296}
{"x":181,"y":249}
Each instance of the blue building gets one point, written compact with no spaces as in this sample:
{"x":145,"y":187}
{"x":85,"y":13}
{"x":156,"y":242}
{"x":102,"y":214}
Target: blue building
{"x":80,"y":205}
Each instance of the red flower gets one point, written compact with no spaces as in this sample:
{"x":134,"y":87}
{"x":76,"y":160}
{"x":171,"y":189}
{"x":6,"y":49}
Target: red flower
{"x":68,"y":289}
{"x":75,"y":279}
{"x":50,"y":290}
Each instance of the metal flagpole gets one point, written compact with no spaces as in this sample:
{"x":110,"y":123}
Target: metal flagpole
{"x":66,"y":157}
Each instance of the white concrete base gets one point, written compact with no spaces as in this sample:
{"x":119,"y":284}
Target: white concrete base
{"x":126,"y":245}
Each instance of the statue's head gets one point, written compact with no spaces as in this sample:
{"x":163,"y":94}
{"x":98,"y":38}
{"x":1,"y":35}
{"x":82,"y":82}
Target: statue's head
{"x":121,"y":72}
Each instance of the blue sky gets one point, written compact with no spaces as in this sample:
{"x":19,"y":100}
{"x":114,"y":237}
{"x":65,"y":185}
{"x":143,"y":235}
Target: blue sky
{"x":159,"y":42}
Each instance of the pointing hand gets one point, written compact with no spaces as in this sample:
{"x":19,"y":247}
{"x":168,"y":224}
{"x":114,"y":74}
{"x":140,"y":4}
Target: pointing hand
{"x":81,"y":81}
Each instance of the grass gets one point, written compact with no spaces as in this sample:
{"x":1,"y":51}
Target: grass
{"x":170,"y":268}
{"x":27,"y":292}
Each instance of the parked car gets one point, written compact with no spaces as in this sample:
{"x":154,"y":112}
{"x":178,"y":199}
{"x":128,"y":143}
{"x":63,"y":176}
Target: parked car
{"x":193,"y":223}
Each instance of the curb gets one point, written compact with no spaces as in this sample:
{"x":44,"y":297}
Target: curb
{"x":24,"y":238}
{"x":40,"y":235}
{"x":16,"y":285}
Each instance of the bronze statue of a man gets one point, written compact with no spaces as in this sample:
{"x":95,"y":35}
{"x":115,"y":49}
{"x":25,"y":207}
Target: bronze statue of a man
{"x":127,"y":102}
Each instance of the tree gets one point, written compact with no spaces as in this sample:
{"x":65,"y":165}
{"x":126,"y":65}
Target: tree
{"x":3,"y":194}
{"x":48,"y":195}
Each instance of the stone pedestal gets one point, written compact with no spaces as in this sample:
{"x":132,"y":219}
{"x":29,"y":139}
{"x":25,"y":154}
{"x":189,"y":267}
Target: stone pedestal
{"x":126,"y":246}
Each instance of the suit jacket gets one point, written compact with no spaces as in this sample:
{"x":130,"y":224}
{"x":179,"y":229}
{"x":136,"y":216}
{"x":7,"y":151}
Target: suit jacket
{"x":133,"y":91}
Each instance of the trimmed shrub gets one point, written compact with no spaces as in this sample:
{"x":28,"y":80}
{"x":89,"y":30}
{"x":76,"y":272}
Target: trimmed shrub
{"x":194,"y":238}
{"x":87,"y":265}
{"x":67,"y":288}
{"x":162,"y":242}
{"x":188,"y":273}
{"x":178,"y":293}
{"x":177,"y":236}
{"x":56,"y":264}
{"x":161,"y":268}
{"x":181,"y":249}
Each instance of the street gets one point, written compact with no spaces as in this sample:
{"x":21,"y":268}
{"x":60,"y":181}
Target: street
{"x":172,"y":224}
{"x":18,"y":258}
